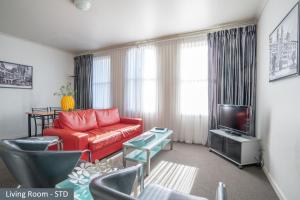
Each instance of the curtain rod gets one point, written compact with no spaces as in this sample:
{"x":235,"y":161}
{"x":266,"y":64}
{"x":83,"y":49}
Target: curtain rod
{"x":175,"y":36}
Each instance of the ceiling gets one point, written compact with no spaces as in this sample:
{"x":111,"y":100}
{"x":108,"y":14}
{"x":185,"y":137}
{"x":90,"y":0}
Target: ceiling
{"x":59,"y":24}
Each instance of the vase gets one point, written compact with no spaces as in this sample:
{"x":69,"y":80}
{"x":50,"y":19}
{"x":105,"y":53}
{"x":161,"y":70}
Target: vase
{"x":67,"y":103}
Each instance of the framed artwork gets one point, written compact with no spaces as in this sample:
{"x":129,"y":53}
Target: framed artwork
{"x":284,"y":47}
{"x":14,"y":75}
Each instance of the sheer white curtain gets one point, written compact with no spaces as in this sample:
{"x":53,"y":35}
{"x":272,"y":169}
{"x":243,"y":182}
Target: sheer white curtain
{"x":102,"y":82}
{"x":140,"y":84}
{"x":192,"y":86}
{"x":165,"y":83}
{"x":183,"y":99}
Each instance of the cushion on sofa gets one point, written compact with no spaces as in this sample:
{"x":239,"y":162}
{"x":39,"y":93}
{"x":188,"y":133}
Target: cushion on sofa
{"x":94,"y":133}
{"x":105,"y":139}
{"x":107,"y":117}
{"x":126,"y":130}
{"x":82,"y":120}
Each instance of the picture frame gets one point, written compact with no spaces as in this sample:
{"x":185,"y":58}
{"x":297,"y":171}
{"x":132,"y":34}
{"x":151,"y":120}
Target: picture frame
{"x":284,"y":47}
{"x":13,"y":75}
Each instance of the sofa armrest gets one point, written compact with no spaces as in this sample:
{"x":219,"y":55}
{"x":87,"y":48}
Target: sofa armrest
{"x":137,"y":121}
{"x":56,"y":123}
{"x":72,"y":140}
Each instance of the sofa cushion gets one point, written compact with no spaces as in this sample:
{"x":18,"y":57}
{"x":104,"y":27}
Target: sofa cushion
{"x":107,"y":117}
{"x":82,"y":120}
{"x":94,"y":133}
{"x":126,"y":129}
{"x":101,"y":137}
{"x":105,"y":139}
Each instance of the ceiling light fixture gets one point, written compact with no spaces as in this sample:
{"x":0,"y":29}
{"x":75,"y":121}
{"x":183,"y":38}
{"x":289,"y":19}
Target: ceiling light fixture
{"x":83,"y":5}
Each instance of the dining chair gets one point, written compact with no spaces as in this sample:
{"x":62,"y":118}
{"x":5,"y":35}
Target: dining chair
{"x":56,"y":111}
{"x":37,"y":168}
{"x":38,"y":119}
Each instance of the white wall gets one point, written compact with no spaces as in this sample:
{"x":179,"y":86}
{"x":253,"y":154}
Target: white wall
{"x":278,"y":110}
{"x":51,"y":68}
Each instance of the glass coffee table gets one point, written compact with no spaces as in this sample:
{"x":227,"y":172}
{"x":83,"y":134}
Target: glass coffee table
{"x":81,"y":191}
{"x":82,"y":175}
{"x":142,"y":153}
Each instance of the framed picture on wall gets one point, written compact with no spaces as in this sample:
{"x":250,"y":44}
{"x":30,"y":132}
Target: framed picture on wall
{"x":284,"y":47}
{"x":14,"y":75}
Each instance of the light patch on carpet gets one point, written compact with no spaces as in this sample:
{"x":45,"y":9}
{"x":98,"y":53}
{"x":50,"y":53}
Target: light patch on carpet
{"x":173,"y":176}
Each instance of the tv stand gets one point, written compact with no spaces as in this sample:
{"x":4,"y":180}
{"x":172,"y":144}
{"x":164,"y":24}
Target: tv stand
{"x":230,"y":132}
{"x":242,"y":150}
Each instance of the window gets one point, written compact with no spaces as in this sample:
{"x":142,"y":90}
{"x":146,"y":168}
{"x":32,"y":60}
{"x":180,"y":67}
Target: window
{"x":101,"y":82}
{"x":141,"y":80}
{"x":149,"y":81}
{"x":193,"y":78}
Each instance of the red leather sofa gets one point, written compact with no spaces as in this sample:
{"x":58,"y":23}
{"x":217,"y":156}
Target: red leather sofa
{"x":102,"y":131}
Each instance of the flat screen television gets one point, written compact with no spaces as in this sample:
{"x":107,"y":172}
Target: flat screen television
{"x":236,"y":119}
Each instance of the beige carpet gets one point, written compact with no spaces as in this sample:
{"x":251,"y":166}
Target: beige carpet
{"x":193,"y":169}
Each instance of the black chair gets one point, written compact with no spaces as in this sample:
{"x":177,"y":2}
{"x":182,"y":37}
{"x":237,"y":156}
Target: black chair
{"x":56,"y":111}
{"x":38,"y":119}
{"x":37,"y":168}
{"x":118,"y":186}
{"x":36,"y":143}
{"x":55,"y":108}
{"x":39,"y":143}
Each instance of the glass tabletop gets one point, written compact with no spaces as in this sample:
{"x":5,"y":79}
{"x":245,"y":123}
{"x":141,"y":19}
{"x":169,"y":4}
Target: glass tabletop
{"x":158,"y":139}
{"x":81,"y":191}
{"x":82,"y":175}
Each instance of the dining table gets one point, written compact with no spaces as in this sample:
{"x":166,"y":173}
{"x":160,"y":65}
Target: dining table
{"x":42,"y":115}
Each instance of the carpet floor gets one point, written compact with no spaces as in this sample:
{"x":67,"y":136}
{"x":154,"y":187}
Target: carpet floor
{"x":193,"y":169}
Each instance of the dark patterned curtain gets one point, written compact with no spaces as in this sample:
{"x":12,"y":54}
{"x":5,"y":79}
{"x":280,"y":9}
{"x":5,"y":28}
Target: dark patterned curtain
{"x":232,"y":69}
{"x":83,"y":82}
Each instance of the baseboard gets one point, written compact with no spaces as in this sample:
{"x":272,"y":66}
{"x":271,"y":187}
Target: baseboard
{"x":274,"y":185}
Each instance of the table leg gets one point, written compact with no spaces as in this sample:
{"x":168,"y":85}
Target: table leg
{"x":141,"y":177}
{"x":135,"y":190}
{"x":148,"y":162}
{"x":52,"y":121}
{"x":124,"y":155}
{"x":58,"y":146}
{"x":61,"y":145}
{"x":171,"y":142}
{"x":29,"y":124}
{"x":90,"y":156}
{"x":43,"y":123}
